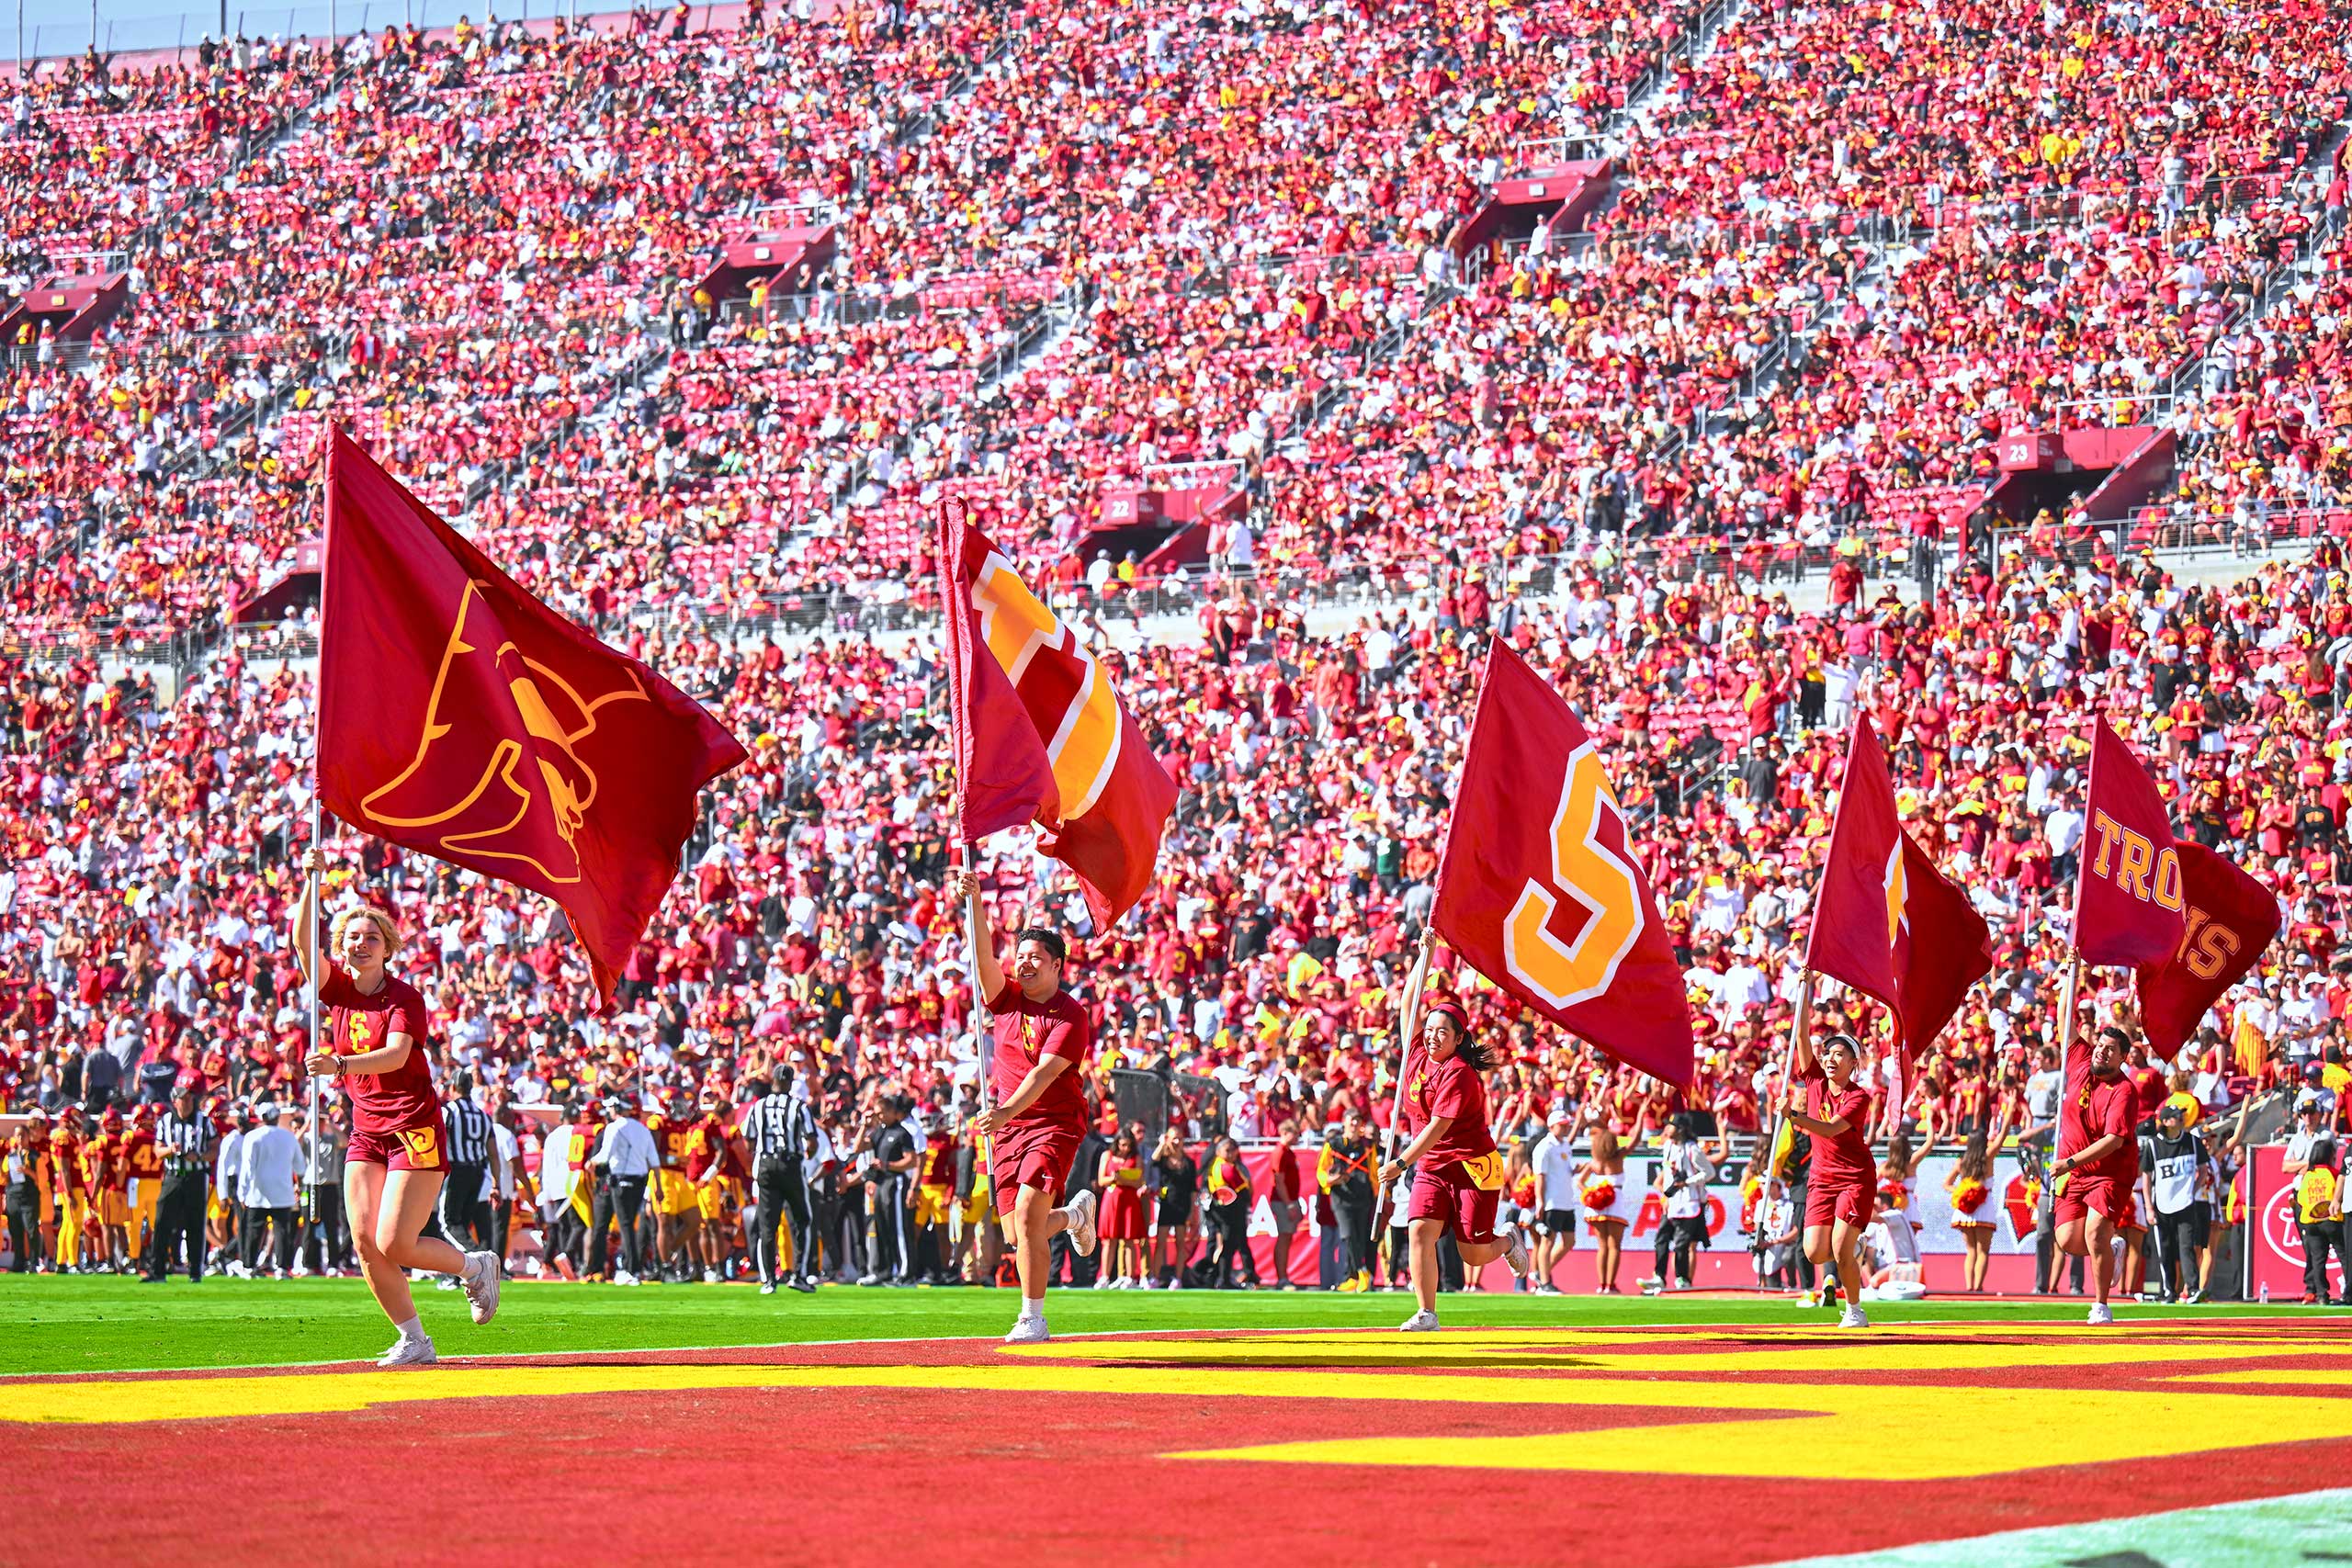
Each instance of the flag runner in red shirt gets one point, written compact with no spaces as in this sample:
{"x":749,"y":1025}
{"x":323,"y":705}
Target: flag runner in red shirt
{"x":2099,"y":1157}
{"x":1457,"y":1175}
{"x":1039,"y":1115}
{"x":374,"y":1043}
{"x":1841,"y":1191}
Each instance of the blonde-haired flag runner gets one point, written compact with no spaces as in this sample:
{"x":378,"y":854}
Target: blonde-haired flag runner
{"x":1038,"y":736}
{"x":1538,"y":890}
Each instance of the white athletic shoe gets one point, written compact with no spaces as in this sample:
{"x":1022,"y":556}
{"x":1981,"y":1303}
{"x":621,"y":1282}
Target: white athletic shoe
{"x":416,"y":1352}
{"x":1515,"y":1254}
{"x":2100,"y":1315}
{"x":482,"y":1290}
{"x":1081,"y":1225}
{"x":710,"y":1276}
{"x":1422,"y":1321}
{"x":1027,"y":1331}
{"x":766,"y":1288}
{"x":1151,"y":1281}
{"x":2194,"y":1298}
{"x":623,"y":1277}
{"x":1103,"y":1281}
{"x":1853,"y":1317}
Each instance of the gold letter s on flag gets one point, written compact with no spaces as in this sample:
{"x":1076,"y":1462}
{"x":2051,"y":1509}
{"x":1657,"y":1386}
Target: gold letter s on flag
{"x":1584,"y":869}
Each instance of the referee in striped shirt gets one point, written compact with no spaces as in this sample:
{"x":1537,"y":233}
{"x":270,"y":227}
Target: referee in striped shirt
{"x":779,"y":1132}
{"x":184,"y":1141}
{"x":472,"y":1149}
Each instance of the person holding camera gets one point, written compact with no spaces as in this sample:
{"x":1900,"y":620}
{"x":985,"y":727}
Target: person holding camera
{"x":1681,"y":1174}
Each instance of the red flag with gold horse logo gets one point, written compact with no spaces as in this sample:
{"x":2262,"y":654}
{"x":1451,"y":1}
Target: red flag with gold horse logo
{"x":461,"y":717}
{"x":1040,"y":735}
{"x":1537,"y":887}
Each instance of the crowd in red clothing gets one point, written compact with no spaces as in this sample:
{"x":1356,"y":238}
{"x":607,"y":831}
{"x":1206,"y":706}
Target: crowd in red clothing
{"x":1076,"y":248}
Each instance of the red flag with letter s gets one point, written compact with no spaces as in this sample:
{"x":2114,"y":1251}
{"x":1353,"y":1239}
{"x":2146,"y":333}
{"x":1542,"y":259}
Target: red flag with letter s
{"x":461,"y":717}
{"x":2128,"y":900}
{"x":1537,"y":887}
{"x":2228,"y":919}
{"x":1887,"y":922}
{"x":1040,"y":734}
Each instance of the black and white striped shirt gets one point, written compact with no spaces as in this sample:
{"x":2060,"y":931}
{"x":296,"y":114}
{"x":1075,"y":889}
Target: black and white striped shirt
{"x":468,"y":1128}
{"x":778,"y":1127}
{"x":181,"y":1142}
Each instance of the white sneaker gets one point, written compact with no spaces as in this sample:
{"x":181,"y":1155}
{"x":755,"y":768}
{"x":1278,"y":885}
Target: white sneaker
{"x":1422,"y":1321}
{"x":2194,"y":1298}
{"x":482,"y":1290}
{"x":1081,"y":1225}
{"x":766,"y":1288}
{"x":1103,"y":1281}
{"x":1853,"y":1317}
{"x":2100,"y":1315}
{"x":1151,"y":1281}
{"x":1027,"y":1331}
{"x":1516,"y":1256}
{"x":710,"y":1276}
{"x":416,"y":1352}
{"x":623,"y":1277}
{"x":302,"y":1270}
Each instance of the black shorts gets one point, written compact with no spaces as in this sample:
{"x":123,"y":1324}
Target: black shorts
{"x":1174,"y":1213}
{"x":2196,"y":1224}
{"x":1559,"y":1222}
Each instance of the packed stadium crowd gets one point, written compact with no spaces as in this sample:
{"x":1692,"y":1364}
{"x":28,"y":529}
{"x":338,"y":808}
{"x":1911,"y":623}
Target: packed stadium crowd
{"x":1077,"y":243}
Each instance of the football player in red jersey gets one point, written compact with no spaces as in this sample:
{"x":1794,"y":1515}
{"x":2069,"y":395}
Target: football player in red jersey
{"x":374,"y":1039}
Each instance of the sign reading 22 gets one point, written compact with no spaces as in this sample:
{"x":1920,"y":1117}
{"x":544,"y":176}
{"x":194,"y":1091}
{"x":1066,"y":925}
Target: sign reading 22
{"x":1588,"y":871}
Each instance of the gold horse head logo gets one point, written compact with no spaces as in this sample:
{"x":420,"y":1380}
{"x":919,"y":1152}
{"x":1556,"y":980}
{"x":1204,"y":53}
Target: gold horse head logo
{"x":493,"y":795}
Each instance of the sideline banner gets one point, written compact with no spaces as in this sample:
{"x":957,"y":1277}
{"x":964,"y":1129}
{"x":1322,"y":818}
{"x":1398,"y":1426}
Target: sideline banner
{"x":2275,"y":1250}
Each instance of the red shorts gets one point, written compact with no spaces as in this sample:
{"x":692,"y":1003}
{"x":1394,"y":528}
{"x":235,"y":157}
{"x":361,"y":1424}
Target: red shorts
{"x":1854,"y":1204}
{"x":421,"y":1148}
{"x":1449,"y":1194}
{"x":1036,"y":1153}
{"x":2082,"y":1193}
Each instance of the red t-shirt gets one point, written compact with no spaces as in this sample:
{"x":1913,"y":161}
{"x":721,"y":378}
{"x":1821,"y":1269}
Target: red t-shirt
{"x":1844,"y":1160}
{"x":1451,"y":1087}
{"x":1027,"y":1033}
{"x":357,"y":1022}
{"x":2095,"y":1107}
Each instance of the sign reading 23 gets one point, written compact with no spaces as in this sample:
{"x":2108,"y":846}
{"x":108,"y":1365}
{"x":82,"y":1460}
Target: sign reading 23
{"x":1591,"y":874}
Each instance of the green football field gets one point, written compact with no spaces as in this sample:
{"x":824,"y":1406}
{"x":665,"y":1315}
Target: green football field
{"x":106,"y":1323}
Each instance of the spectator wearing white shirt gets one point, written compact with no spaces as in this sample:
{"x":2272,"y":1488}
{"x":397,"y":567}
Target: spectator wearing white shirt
{"x":1554,"y":1161}
{"x":269,"y":1173}
{"x":2063,"y":831}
